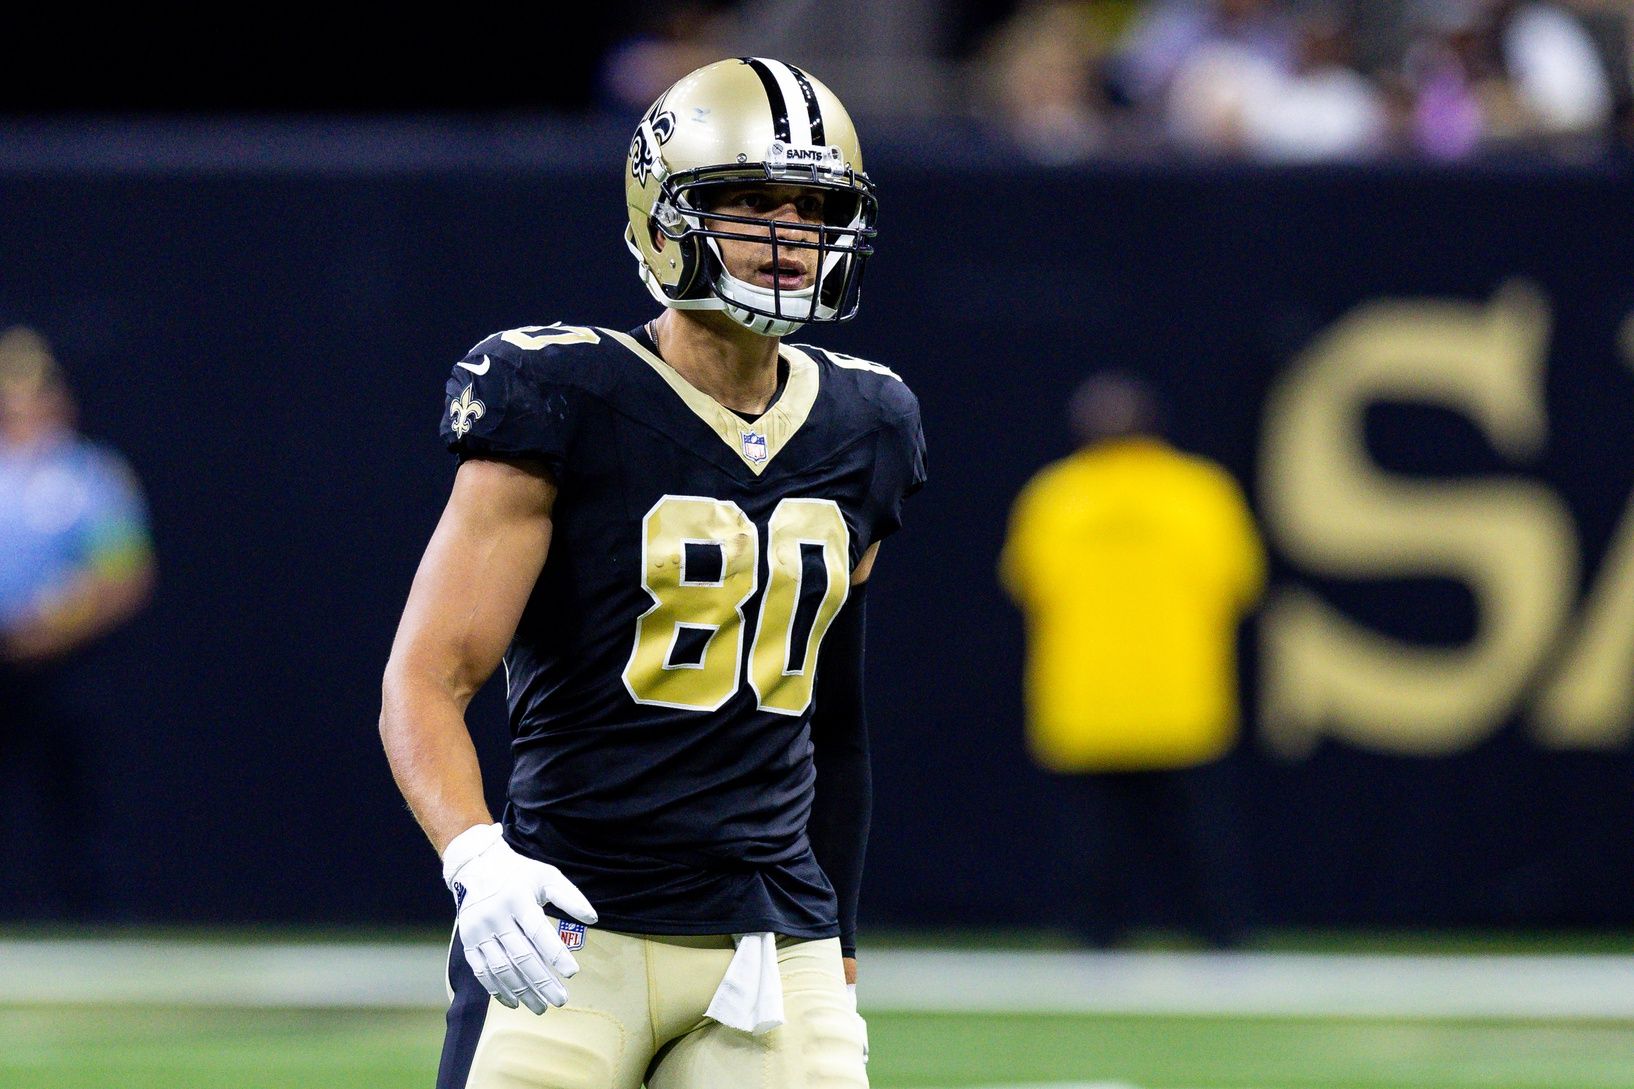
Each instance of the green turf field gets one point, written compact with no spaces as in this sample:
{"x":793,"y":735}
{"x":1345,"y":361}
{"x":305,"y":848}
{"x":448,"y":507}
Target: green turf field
{"x":254,"y":1010}
{"x":85,"y":1047}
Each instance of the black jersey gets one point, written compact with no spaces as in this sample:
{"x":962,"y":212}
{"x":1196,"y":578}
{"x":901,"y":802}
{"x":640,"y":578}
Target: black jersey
{"x":661,"y":679}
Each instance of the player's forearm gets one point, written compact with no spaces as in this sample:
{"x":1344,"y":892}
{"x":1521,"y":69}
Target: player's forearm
{"x":843,"y":801}
{"x":839,"y":830}
{"x":469,"y":592}
{"x":422,"y":727}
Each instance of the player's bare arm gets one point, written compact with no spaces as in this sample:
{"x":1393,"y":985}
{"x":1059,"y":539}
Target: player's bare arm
{"x":467,"y":596}
{"x":469,"y":593}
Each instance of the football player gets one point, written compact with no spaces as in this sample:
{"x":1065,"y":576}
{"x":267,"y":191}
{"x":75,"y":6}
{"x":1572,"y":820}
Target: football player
{"x":665,"y":535}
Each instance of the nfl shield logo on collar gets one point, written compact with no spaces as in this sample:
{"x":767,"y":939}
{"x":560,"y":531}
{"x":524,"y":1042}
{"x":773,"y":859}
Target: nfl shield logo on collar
{"x":754,"y":446}
{"x":572,"y":934}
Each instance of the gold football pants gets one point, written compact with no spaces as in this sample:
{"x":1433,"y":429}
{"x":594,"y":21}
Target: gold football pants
{"x":635,"y":1015}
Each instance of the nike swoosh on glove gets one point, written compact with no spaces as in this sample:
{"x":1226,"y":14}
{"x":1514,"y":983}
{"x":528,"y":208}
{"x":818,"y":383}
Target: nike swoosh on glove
{"x":499,"y":897}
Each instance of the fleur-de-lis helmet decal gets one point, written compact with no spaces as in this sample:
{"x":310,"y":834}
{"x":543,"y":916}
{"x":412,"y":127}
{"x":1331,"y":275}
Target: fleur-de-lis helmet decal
{"x":464,"y":411}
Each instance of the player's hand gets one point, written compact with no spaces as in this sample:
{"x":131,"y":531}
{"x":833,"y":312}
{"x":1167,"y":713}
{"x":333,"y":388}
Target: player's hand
{"x":499,"y":896}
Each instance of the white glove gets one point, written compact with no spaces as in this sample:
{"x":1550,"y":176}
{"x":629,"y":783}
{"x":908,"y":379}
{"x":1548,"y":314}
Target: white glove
{"x":499,"y":897}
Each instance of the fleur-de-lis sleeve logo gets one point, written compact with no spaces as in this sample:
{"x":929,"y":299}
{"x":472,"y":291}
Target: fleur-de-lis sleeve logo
{"x":464,"y":411}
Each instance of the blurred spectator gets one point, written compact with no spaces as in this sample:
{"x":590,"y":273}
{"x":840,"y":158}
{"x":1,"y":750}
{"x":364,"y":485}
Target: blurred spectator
{"x":1133,"y":563}
{"x":1489,"y":73}
{"x":1443,"y":68}
{"x":1230,"y":98}
{"x":1295,"y":82}
{"x":1216,"y":95}
{"x":1325,"y":108}
{"x":1170,"y":33}
{"x":1554,"y":66}
{"x":1039,"y":75}
{"x":75,"y":562}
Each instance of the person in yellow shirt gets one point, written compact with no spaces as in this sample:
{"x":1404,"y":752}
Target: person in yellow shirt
{"x":1133,"y":563}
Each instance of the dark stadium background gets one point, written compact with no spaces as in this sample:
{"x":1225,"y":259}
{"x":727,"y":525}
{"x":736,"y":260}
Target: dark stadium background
{"x":266,"y":336}
{"x":257,"y":249}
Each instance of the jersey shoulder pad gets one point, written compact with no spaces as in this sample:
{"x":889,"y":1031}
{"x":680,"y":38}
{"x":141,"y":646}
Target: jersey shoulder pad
{"x":557,"y":352}
{"x":852,"y":363}
{"x":516,"y":393}
{"x":873,"y":397}
{"x":876,"y":383}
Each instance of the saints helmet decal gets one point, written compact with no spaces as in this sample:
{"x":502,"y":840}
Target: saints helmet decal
{"x":655,"y":128}
{"x":734,"y":122}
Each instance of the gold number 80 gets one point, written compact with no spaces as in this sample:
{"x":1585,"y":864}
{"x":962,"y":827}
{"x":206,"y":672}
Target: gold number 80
{"x":701,"y":566}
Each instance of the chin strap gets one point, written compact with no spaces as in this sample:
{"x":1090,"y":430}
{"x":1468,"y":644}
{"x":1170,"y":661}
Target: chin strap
{"x":758,"y":309}
{"x":760,"y":323}
{"x":743,"y":302}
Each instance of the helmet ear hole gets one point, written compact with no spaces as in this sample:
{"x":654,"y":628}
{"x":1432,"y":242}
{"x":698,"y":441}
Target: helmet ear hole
{"x":687,"y":256}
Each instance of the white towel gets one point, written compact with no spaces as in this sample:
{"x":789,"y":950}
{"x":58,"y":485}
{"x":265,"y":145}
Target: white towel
{"x":750,"y":997}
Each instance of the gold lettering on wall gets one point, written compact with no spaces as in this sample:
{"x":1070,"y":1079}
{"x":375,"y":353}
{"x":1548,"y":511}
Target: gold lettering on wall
{"x":1335,"y":513}
{"x":1589,"y":703}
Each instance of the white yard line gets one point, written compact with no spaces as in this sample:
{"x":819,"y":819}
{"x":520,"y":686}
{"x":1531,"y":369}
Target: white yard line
{"x":207,"y":974}
{"x":1289,"y":984}
{"x":1270,"y":984}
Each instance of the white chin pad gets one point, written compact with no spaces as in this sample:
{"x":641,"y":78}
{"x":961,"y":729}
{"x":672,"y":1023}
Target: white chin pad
{"x":793,"y":305}
{"x":793,"y":308}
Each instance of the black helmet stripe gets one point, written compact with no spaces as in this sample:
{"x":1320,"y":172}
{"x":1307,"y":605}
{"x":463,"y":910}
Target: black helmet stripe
{"x":786,"y":85}
{"x":774,"y":96}
{"x":814,"y":111}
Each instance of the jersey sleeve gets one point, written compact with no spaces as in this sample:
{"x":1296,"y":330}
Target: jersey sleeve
{"x":902,"y":469}
{"x":509,"y":402}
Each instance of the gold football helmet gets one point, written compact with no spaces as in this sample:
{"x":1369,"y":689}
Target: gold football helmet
{"x":747,"y":120}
